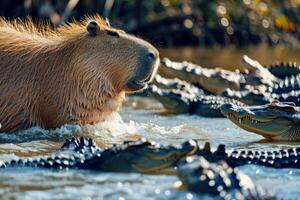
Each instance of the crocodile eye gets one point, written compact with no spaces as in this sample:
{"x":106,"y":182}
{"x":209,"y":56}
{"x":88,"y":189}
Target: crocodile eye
{"x":274,"y":103}
{"x":113,"y":33}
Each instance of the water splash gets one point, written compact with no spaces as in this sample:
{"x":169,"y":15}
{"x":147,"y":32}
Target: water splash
{"x":130,"y":124}
{"x":37,"y":133}
{"x":115,"y":130}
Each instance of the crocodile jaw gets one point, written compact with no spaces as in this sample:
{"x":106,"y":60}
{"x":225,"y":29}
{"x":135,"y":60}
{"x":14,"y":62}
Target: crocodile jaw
{"x":252,"y":119}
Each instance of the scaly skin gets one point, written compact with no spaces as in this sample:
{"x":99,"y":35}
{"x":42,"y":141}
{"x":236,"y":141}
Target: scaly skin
{"x":262,"y":95}
{"x":214,"y":81}
{"x":196,"y":173}
{"x":255,"y":87}
{"x":285,"y":158}
{"x":273,"y":72}
{"x":251,"y":96}
{"x":257,"y":74}
{"x":277,"y":120}
{"x":143,"y":156}
{"x":217,"y":179}
{"x":286,"y":75}
{"x":140,"y":156}
{"x":284,"y":70}
{"x":286,"y":89}
{"x":186,"y":100}
{"x":182,"y":97}
{"x":218,"y":80}
{"x":286,"y":85}
{"x":165,"y":83}
{"x":289,"y":72}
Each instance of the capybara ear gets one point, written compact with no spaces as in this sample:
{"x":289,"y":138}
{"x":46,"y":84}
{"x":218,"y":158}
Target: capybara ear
{"x":93,"y":28}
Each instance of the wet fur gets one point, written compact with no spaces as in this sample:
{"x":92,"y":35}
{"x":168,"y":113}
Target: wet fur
{"x":52,"y":77}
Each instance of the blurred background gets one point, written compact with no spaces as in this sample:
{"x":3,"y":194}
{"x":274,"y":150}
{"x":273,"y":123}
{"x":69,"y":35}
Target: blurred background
{"x":196,"y":30}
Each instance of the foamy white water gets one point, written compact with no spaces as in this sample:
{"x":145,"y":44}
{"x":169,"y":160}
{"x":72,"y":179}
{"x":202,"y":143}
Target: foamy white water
{"x":137,"y":119}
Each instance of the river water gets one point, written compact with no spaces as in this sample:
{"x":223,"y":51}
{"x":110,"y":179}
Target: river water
{"x":140,"y":117}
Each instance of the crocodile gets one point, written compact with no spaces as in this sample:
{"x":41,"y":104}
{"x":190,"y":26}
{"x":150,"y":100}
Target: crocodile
{"x":289,"y":82}
{"x":276,"y":120}
{"x":286,"y":89}
{"x":180,"y":97}
{"x":185,"y":100}
{"x":141,"y":156}
{"x":284,"y":70}
{"x":256,"y":74}
{"x":144,"y":156}
{"x":216,"y":81}
{"x":166,"y":83}
{"x":283,"y":158}
{"x":259,"y":96}
{"x":175,"y":83}
{"x":147,"y":157}
{"x":212,"y":80}
{"x":251,"y":96}
{"x":219,"y":180}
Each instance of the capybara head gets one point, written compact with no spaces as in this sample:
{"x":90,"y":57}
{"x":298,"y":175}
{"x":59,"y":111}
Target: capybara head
{"x":75,"y":74}
{"x":126,"y":62}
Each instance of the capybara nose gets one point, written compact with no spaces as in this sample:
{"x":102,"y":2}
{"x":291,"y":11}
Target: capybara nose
{"x":151,"y":56}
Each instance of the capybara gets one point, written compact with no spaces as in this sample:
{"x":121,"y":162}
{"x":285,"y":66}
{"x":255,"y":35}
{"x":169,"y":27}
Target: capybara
{"x":76,"y":74}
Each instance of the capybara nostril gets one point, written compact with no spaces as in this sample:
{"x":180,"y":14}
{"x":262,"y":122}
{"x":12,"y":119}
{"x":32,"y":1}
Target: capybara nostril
{"x":151,"y":56}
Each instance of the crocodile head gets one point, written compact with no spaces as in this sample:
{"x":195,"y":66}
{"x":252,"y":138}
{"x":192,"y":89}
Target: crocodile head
{"x":197,"y":175}
{"x":212,"y":80}
{"x":277,"y":120}
{"x":144,"y":156}
{"x":256,"y":73}
{"x":175,"y":100}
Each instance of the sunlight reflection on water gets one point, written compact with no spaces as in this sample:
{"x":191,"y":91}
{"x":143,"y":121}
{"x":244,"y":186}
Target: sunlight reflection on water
{"x":137,"y":119}
{"x":132,"y":123}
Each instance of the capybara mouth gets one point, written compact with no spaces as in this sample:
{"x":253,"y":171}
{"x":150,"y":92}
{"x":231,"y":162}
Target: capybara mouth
{"x":145,"y":70}
{"x":135,"y":85}
{"x":141,"y":80}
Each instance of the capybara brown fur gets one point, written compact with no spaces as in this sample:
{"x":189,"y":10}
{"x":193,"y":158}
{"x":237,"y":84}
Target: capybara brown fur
{"x":76,"y":74}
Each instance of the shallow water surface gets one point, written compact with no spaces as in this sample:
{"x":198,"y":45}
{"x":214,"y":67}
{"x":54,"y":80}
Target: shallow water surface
{"x":140,"y":118}
{"x":230,"y":57}
{"x":133,"y":122}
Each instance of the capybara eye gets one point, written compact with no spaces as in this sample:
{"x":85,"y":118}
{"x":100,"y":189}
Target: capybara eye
{"x":113,"y":33}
